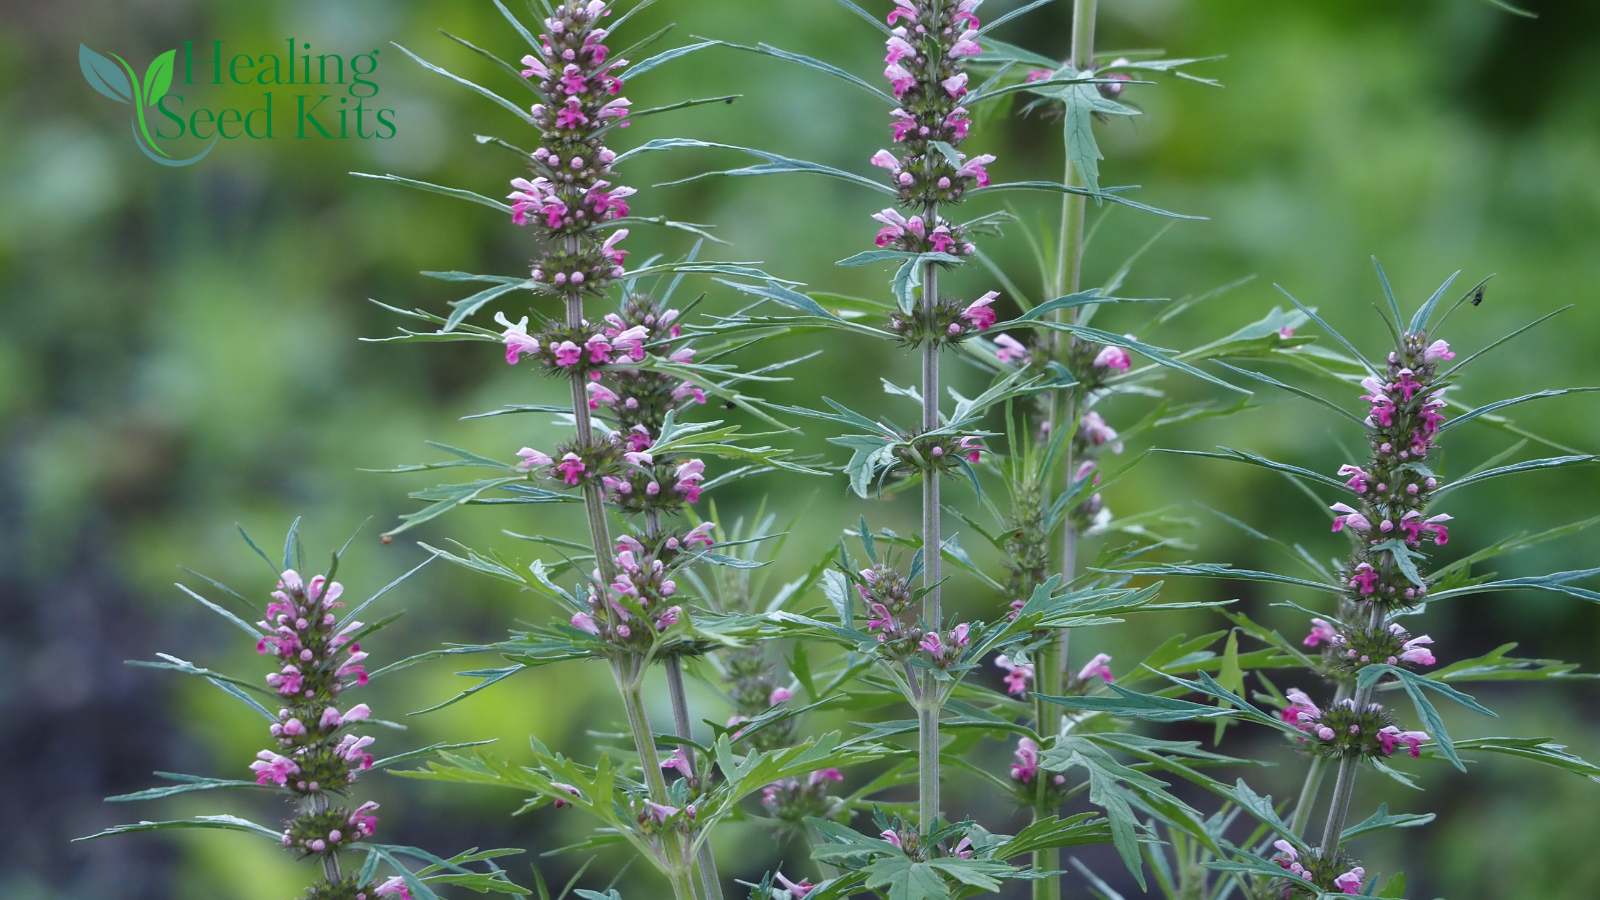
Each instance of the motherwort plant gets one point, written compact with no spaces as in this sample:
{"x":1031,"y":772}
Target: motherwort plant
{"x":1392,"y":508}
{"x":315,"y":756}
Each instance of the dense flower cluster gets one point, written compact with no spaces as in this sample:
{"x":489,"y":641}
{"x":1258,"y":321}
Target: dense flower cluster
{"x":1396,"y":484}
{"x":638,"y":400}
{"x":569,"y":196}
{"x":1317,"y":871}
{"x":315,"y":751}
{"x":1351,"y":648}
{"x":792,"y":801}
{"x":563,"y":350}
{"x":927,"y":48}
{"x":1342,"y":730}
{"x":940,"y":453}
{"x":947,"y":321}
{"x":638,"y":602}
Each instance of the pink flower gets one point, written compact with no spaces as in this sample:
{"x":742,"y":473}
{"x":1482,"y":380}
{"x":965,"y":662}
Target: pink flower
{"x":609,"y":248}
{"x":974,"y":167}
{"x":799,"y":891}
{"x":1111,"y":357}
{"x":1017,"y":675}
{"x":1349,"y":516}
{"x":883,"y":159}
{"x":957,"y":121}
{"x":1391,"y":737}
{"x":351,"y":749}
{"x":821,"y":775}
{"x":535,"y":68}
{"x":942,"y":241}
{"x":288,"y":681}
{"x":956,"y":86}
{"x":932,"y":645}
{"x":895,"y":227}
{"x":1365,"y":578}
{"x":568,"y":354}
{"x":1098,"y":432}
{"x":902,"y":8}
{"x":878,"y":617}
{"x":700,"y":534}
{"x":1096,"y":666}
{"x":1038,"y":75}
{"x":1321,"y":630}
{"x":1436,"y":351}
{"x":1416,"y":652}
{"x":571,"y":468}
{"x":571,"y":115}
{"x":1009,"y":349}
{"x":1406,"y":385}
{"x":532,"y":459}
{"x":778,"y":696}
{"x":516,"y":338}
{"x":616,"y":109}
{"x":362,"y":820}
{"x":585,"y":622}
{"x":274,"y":768}
{"x":395,"y":887}
{"x":904,"y":122}
{"x":599,"y":393}
{"x":1289,"y":859}
{"x":900,"y":80}
{"x":599,"y":349}
{"x":1350,"y":882}
{"x":1359,"y":481}
{"x":1415,"y":527}
{"x":972,"y":448}
{"x":572,"y":80}
{"x":894,"y":838}
{"x":978,"y":314}
{"x":558,"y":802}
{"x":898,"y":48}
{"x":1301,"y":711}
{"x":680,"y":761}
{"x":966,"y":45}
{"x":659,"y":812}
{"x":688,"y":389}
{"x":1026,"y":768}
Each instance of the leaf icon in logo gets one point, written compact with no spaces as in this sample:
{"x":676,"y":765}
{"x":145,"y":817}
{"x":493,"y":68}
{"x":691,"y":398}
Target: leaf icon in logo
{"x":104,"y":76}
{"x":158,"y":78}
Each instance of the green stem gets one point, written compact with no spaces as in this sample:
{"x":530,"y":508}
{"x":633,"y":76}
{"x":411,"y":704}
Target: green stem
{"x":1344,"y":786}
{"x":710,"y":880}
{"x":932,"y":612}
{"x":1308,"y":796}
{"x":1050,"y":668}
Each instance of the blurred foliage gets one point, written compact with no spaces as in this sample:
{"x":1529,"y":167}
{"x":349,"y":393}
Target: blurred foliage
{"x":178,"y":351}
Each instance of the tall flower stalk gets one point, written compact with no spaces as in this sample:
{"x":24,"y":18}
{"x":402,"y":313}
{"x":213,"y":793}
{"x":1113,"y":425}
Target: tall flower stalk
{"x":315,"y":757}
{"x":926,"y":70}
{"x":1367,"y":646}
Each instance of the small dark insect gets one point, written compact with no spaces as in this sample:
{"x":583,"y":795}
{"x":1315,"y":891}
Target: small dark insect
{"x":1477,"y":297}
{"x":729,"y":404}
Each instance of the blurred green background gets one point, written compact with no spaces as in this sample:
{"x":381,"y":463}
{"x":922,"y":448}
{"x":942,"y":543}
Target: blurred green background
{"x":179,"y":352}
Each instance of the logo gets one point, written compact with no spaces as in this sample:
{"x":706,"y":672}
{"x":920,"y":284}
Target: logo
{"x":154,"y":105}
{"x":120,"y":83}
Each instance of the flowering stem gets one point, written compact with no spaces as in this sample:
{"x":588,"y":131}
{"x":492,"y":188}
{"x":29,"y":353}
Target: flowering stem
{"x":1344,"y":786}
{"x":928,"y":708}
{"x":594,"y":506}
{"x":628,"y":670}
{"x":709,"y":877}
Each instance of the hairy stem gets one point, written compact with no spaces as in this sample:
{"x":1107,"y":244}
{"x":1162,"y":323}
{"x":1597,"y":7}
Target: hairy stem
{"x":628,"y":670}
{"x":710,"y":880}
{"x":932,"y":613}
{"x":593,"y":504}
{"x":1344,"y":786}
{"x":1051,"y":666}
